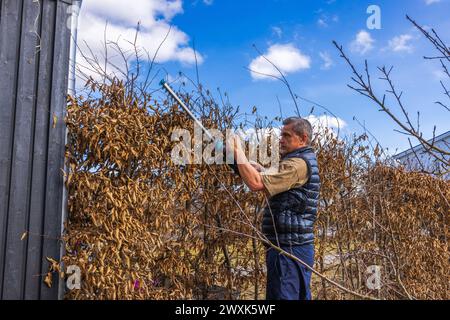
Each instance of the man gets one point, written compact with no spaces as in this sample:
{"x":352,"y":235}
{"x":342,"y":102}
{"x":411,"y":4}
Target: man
{"x":291,"y":212}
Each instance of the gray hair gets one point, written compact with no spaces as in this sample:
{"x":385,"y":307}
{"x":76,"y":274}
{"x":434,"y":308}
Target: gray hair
{"x":301,"y":127}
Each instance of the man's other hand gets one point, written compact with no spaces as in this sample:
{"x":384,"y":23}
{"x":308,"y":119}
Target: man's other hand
{"x":257,"y":166}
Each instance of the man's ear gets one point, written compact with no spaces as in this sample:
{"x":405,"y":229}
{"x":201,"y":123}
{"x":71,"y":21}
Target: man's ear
{"x":305,"y":139}
{"x":302,"y":139}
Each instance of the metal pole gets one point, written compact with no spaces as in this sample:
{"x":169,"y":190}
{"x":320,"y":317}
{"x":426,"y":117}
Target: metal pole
{"x":75,"y":10}
{"x":166,"y":86}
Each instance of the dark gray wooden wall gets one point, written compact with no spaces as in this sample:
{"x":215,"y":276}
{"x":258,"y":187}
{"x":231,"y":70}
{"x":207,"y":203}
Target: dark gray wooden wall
{"x":34,"y":61}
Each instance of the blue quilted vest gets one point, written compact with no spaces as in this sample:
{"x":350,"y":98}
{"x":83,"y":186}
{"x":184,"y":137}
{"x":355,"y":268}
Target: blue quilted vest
{"x":290,"y":216}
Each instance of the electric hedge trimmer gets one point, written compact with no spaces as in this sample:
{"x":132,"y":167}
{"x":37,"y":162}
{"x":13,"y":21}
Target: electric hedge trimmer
{"x":219,"y":144}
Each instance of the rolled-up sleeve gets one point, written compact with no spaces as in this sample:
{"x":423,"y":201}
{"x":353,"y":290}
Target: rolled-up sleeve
{"x":291,"y":173}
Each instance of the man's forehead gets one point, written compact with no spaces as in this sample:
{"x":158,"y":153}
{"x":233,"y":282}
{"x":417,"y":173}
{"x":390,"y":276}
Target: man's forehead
{"x":287,"y":128}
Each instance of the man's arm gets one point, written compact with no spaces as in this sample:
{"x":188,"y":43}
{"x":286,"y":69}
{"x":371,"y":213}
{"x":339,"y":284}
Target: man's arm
{"x":292,"y":173}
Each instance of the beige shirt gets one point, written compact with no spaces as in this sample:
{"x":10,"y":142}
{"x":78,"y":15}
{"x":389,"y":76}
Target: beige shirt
{"x":291,"y":173}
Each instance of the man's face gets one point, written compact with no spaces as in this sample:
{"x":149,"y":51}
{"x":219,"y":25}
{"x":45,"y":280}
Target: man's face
{"x":290,"y":141}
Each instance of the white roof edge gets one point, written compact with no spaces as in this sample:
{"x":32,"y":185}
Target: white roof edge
{"x":419,"y":146}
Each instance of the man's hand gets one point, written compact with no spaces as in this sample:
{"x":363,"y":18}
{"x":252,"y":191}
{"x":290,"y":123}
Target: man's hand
{"x":249,"y":172}
{"x":234,"y":144}
{"x":230,"y":144}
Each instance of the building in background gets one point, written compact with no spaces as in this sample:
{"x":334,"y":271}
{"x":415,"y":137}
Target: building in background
{"x":418,"y":158}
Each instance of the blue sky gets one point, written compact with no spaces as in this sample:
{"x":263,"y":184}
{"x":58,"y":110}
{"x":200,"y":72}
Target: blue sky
{"x":298,"y":35}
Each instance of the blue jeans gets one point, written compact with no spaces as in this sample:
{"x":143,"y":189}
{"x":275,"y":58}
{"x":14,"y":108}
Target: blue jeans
{"x":288,"y":279}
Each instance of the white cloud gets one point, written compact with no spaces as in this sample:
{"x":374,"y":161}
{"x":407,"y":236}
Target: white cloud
{"x":401,"y":43}
{"x":286,"y":57}
{"x":363,"y":43}
{"x":327,"y":60}
{"x":122,"y":12}
{"x":208,"y":2}
{"x":277,"y":31}
{"x":428,"y":2}
{"x":325,"y":20}
{"x":122,"y":18}
{"x":177,"y":79}
{"x":439,"y":74}
{"x":323,"y":121}
{"x":322,"y":23}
